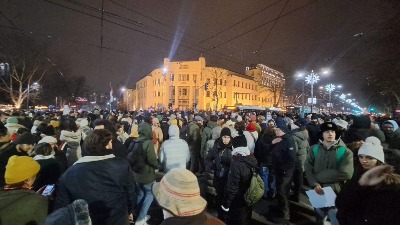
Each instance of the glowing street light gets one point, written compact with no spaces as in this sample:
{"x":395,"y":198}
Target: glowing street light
{"x":330,"y":88}
{"x":312,"y":79}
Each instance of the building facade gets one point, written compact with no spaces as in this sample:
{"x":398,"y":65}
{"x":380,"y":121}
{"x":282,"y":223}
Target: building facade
{"x":185,"y":84}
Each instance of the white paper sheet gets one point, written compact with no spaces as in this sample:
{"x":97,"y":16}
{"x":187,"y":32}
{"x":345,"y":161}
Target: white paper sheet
{"x":321,"y":201}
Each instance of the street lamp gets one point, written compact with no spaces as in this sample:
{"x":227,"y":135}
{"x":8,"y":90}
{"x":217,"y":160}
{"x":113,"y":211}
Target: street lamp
{"x":35,"y":84}
{"x":312,"y":79}
{"x":330,"y":88}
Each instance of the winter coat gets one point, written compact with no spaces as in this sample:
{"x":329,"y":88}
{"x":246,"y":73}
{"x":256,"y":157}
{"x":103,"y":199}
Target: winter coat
{"x":216,"y":132}
{"x":164,"y":128}
{"x":105,"y":182}
{"x":147,"y":174}
{"x":158,"y":138}
{"x":206,"y":135}
{"x":284,"y":156}
{"x":323,"y":169}
{"x":394,"y":139}
{"x":194,"y":137}
{"x":13,"y":127}
{"x":199,"y":219}
{"x":239,"y":178}
{"x":263,"y":148}
{"x":251,"y":142}
{"x":70,"y":136}
{"x":367,"y":205}
{"x":119,"y":149}
{"x":49,"y":171}
{"x":313,"y":132}
{"x":174,"y":152}
{"x":22,"y":207}
{"x":301,"y":141}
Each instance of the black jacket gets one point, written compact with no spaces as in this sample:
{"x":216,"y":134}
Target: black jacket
{"x":264,"y":147}
{"x":367,"y":206}
{"x":313,"y":131}
{"x":219,"y":157}
{"x":284,"y":156}
{"x":107,"y":185}
{"x":239,"y":178}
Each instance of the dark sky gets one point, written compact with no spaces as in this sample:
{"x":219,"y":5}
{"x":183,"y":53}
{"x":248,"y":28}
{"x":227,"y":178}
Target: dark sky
{"x":138,"y":34}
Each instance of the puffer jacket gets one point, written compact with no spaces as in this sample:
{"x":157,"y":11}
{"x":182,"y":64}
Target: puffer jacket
{"x":284,"y":156}
{"x":264,"y":147}
{"x":76,"y":137}
{"x":301,"y":141}
{"x":75,"y":213}
{"x":313,"y":132}
{"x":174,"y":152}
{"x":194,"y":137}
{"x":147,"y":175}
{"x":323,"y":169}
{"x":219,"y":157}
{"x":216,"y":131}
{"x":207,"y":135}
{"x":105,"y":182}
{"x":239,"y":178}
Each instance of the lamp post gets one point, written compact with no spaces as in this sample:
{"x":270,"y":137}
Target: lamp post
{"x":330,"y":88}
{"x":124,"y":96}
{"x":312,"y":79}
{"x":35,"y":85}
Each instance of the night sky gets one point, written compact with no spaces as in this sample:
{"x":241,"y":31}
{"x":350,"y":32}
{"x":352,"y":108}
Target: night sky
{"x":338,"y":35}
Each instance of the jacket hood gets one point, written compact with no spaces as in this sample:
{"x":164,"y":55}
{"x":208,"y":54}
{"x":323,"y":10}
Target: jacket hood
{"x":250,"y":161}
{"x":145,"y":131}
{"x":173,"y":132}
{"x":216,"y":132}
{"x":297,"y":133}
{"x":395,"y":125}
{"x":211,"y":124}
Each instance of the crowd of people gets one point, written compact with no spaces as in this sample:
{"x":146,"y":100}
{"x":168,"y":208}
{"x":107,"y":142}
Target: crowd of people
{"x":101,"y":167}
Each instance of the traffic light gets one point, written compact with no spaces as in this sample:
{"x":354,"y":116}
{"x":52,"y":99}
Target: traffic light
{"x":206,"y":86}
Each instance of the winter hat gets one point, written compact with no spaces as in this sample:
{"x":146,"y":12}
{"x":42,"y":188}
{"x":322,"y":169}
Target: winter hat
{"x":314,"y":116}
{"x":284,"y":128}
{"x":340,"y":123}
{"x":12,"y":120}
{"x":54,"y":123}
{"x":230,"y":123}
{"x":198,"y":118}
{"x":26,"y":138}
{"x":173,"y":131}
{"x":216,"y":132}
{"x":239,"y":141}
{"x":20,"y":168}
{"x":328,"y":126}
{"x":233,"y":116}
{"x":302,"y":122}
{"x":225,"y":132}
{"x":178,"y":192}
{"x":251,"y":127}
{"x":48,"y":139}
{"x":239,"y":118}
{"x":394,"y":124}
{"x":372,"y":147}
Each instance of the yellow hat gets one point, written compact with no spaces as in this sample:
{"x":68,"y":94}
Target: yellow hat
{"x":20,"y":168}
{"x":54,"y":123}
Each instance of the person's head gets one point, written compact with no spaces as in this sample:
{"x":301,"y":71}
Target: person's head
{"x":389,"y":127}
{"x":43,"y":149}
{"x":314,"y":118}
{"x":104,"y":124}
{"x":68,"y":124}
{"x":260,"y":118}
{"x":173,"y":131}
{"x":21,"y":171}
{"x":328,"y":130}
{"x":4,"y":117}
{"x":371,"y":153}
{"x":199,"y":120}
{"x":155,"y":122}
{"x":25,"y":142}
{"x":226,"y":135}
{"x":239,"y":141}
{"x":178,"y":193}
{"x":98,"y":141}
{"x":4,"y":135}
{"x":52,"y":141}
{"x":271,"y":123}
{"x":240,"y":126}
{"x":281,"y":130}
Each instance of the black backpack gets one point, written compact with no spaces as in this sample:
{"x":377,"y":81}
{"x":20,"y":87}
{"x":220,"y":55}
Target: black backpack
{"x":137,"y":156}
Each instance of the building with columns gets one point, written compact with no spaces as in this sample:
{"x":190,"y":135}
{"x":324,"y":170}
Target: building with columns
{"x":184,"y":84}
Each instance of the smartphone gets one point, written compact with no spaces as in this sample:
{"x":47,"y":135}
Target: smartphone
{"x":48,"y":190}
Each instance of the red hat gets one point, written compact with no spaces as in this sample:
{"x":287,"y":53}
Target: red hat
{"x":251,"y":127}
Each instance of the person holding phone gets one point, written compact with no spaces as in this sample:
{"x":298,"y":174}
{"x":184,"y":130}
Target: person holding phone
{"x":18,"y":203}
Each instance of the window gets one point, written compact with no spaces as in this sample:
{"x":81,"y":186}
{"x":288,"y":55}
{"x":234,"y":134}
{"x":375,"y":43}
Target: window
{"x":245,"y":85}
{"x":242,"y":84}
{"x":184,"y":92}
{"x":215,"y":81}
{"x":208,"y":81}
{"x":208,"y":94}
{"x":179,"y":77}
{"x":224,"y":94}
{"x":225,"y":82}
{"x":234,"y":82}
{"x":172,"y":77}
{"x":220,"y":81}
{"x":158,"y":94}
{"x":158,"y":82}
{"x":194,"y":77}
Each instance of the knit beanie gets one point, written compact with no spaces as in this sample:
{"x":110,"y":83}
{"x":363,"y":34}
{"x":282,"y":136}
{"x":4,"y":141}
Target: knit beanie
{"x":372,"y":147}
{"x":26,"y":138}
{"x":251,"y":127}
{"x":328,"y":126}
{"x":284,"y":128}
{"x":239,"y":141}
{"x":12,"y":120}
{"x":20,"y":168}
{"x":225,"y":132}
{"x":54,"y":123}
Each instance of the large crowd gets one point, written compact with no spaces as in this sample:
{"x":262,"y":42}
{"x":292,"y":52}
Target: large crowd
{"x":109,"y":167}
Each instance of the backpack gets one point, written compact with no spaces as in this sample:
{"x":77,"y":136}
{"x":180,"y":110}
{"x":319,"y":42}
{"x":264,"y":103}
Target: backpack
{"x":137,"y":156}
{"x":256,"y":189}
{"x":339,"y":153}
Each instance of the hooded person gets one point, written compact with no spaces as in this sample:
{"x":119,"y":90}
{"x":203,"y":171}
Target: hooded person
{"x":178,"y":194}
{"x":392,"y":133}
{"x":239,"y":177}
{"x":19,"y":204}
{"x":251,"y":135}
{"x":12,"y":125}
{"x":174,"y":152}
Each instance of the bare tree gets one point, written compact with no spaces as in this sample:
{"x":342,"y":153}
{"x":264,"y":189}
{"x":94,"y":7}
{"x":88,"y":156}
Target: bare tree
{"x":218,"y":75}
{"x":274,"y":86}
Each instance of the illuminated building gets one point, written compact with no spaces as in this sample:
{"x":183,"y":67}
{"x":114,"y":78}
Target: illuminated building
{"x":185,"y":83}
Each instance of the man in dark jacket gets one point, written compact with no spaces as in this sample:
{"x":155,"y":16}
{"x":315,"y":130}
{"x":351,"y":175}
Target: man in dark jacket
{"x":283,"y":161}
{"x":104,"y":181}
{"x":194,"y":142}
{"x":313,"y":130}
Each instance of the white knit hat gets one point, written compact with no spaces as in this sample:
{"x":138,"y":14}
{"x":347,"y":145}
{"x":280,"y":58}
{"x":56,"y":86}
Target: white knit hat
{"x":372,"y":147}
